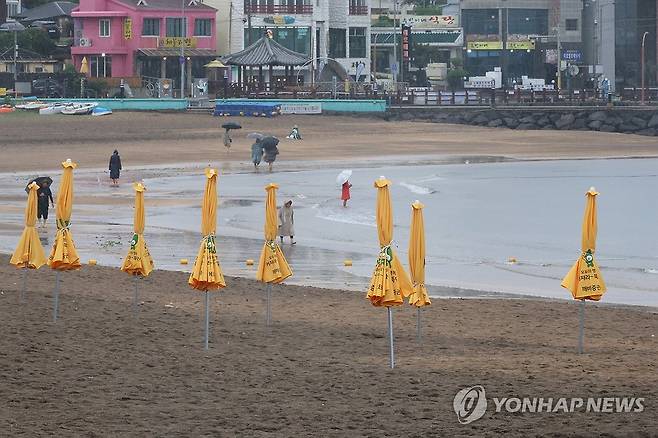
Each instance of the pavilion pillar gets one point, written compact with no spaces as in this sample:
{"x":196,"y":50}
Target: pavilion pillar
{"x":240,"y":77}
{"x":163,"y":68}
{"x":260,"y":78}
{"x":271,"y":78}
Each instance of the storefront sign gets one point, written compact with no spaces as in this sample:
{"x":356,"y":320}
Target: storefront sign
{"x":128,"y":28}
{"x":406,"y":31}
{"x":301,"y":108}
{"x":484,"y":45}
{"x":572,"y":55}
{"x":177,"y":42}
{"x":520,"y":45}
{"x":430,"y":21}
{"x":279,"y":20}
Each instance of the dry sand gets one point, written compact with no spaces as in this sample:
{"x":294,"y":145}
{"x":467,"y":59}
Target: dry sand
{"x":321,"y":371}
{"x":32,"y":142}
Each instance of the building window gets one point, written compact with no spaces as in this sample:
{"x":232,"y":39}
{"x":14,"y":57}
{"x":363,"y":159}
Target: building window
{"x":104,"y":28}
{"x":12,"y":9}
{"x":202,"y":27}
{"x":100,"y":66}
{"x":571,"y":24}
{"x":176,"y":27}
{"x":357,"y":42}
{"x":527,"y":22}
{"x":293,"y":38}
{"x":480,"y":22}
{"x":151,"y":27}
{"x":337,"y":43}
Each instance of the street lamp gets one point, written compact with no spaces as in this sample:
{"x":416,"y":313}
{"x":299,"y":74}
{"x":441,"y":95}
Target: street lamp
{"x":14,"y":26}
{"x":644,"y":37}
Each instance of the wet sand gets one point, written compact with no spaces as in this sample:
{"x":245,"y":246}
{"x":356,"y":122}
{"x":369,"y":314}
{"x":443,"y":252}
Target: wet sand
{"x":322,"y":370}
{"x":32,"y":142}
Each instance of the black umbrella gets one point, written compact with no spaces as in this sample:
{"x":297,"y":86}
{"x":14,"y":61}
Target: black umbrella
{"x":231,"y":125}
{"x":39,"y":180}
{"x":269,"y":143}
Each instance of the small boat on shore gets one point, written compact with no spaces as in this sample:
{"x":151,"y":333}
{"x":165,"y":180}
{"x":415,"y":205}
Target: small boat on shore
{"x":32,"y":106}
{"x":53,"y":108}
{"x":79,"y":108}
{"x":101,"y":111}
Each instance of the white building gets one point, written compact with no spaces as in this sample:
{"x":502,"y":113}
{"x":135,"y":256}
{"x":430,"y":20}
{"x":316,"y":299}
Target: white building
{"x":321,"y":29}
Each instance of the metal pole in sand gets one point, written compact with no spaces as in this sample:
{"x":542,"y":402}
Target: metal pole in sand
{"x":135,"y":297}
{"x":23,"y":290}
{"x":418,"y":331}
{"x":268,"y":310}
{"x":207,"y":325}
{"x":581,"y":326}
{"x":390,"y":336}
{"x":56,"y":296}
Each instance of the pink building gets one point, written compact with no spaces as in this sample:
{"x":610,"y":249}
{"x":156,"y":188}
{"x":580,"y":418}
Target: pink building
{"x":137,"y":38}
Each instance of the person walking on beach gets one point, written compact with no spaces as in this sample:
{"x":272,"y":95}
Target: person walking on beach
{"x":270,"y":156}
{"x":43,"y":195}
{"x":256,"y":153}
{"x":115,"y":168}
{"x":345,"y":195}
{"x":227,"y":140}
{"x":287,"y":222}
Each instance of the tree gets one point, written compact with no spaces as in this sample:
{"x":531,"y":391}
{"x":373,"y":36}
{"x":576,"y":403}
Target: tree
{"x":32,"y":39}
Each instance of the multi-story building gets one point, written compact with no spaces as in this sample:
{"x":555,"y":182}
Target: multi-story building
{"x":613,"y":33}
{"x":320,"y":29}
{"x":132,"y":38}
{"x":522,"y":36}
{"x":435,"y":36}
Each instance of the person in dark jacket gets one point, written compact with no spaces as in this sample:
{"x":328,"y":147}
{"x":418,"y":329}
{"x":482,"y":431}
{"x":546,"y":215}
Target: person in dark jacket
{"x":43,"y":194}
{"x":115,"y":167}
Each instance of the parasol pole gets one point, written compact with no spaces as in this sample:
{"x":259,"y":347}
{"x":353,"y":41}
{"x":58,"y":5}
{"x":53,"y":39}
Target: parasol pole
{"x":56,"y":296}
{"x":581,"y":326}
{"x":390,"y":336}
{"x":23,"y":290}
{"x":418,"y":330}
{"x":268,"y":309}
{"x":207,"y":321}
{"x":135,"y":297}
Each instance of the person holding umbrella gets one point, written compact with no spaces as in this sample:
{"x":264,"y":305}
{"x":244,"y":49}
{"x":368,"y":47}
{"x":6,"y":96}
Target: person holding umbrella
{"x":271,"y":151}
{"x":256,"y":148}
{"x":343,"y":181}
{"x":115,"y":167}
{"x":227,"y":134}
{"x":43,"y":195}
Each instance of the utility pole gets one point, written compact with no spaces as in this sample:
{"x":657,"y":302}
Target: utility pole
{"x":559,"y":59}
{"x":644,"y":37}
{"x":395,"y":41}
{"x":183,"y":27}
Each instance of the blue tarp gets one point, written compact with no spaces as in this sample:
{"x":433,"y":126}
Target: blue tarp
{"x":257,"y":109}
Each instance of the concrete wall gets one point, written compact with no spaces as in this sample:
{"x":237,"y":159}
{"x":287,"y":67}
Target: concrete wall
{"x":352,"y":106}
{"x":134,"y":104}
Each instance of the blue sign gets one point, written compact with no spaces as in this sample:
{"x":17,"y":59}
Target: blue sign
{"x":572,"y":55}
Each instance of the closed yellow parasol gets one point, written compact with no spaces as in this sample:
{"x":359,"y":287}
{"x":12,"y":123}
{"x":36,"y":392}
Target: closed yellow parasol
{"x":389,"y":284}
{"x":584,"y":279}
{"x":63,"y":256}
{"x":206,"y":273}
{"x":419,"y":297}
{"x":138,"y":261}
{"x":273,"y":267}
{"x":29,"y":252}
{"x":84,"y":66}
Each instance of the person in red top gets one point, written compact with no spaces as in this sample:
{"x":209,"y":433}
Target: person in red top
{"x":345,"y":195}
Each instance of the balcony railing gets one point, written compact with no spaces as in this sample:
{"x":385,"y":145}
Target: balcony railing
{"x":278,"y":9}
{"x":358,"y":10}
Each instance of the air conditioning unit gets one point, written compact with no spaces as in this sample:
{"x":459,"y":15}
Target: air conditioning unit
{"x":85,"y":42}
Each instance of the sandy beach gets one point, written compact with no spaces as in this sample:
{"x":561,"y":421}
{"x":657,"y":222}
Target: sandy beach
{"x":322,"y":369}
{"x":33,"y":142}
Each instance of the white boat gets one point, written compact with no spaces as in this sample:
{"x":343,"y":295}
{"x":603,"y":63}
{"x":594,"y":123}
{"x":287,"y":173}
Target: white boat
{"x":78,"y":108}
{"x":101,"y":111}
{"x":32,"y":105}
{"x":53,"y":108}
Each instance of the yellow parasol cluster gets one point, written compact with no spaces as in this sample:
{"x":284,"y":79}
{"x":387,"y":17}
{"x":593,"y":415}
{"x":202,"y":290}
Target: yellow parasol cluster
{"x":584,"y":278}
{"x":63,"y":256}
{"x":29,"y":252}
{"x":419,"y":297}
{"x":138,"y":261}
{"x":272,"y":266}
{"x":389,"y":284}
{"x":207,"y":274}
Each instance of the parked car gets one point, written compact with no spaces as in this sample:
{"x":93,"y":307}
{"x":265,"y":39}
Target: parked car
{"x":47,"y":88}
